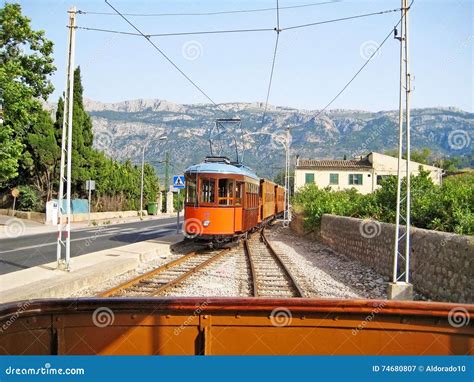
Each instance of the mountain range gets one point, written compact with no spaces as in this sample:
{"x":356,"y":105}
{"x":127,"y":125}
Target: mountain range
{"x":125,"y":129}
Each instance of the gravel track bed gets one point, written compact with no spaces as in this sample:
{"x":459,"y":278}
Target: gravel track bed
{"x":177,"y":251}
{"x":221,"y":278}
{"x":325,"y":273}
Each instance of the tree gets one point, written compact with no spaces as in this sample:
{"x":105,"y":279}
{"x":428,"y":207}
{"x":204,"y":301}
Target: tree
{"x":10,"y":151}
{"x":26,"y":64}
{"x":82,"y":135}
{"x":45,"y":152}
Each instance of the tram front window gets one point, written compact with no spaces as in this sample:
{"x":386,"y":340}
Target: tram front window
{"x":190,"y":190}
{"x":208,"y":190}
{"x":226,"y":192}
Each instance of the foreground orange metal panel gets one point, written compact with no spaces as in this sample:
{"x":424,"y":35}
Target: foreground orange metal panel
{"x":235,"y":326}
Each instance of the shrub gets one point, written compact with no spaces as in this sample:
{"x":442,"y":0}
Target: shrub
{"x":449,"y":207}
{"x":28,"y":199}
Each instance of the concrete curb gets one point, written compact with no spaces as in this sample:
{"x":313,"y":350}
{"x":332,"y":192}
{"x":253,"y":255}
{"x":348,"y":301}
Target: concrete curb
{"x":94,"y":268}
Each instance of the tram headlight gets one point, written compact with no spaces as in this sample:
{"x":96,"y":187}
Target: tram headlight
{"x":206,"y":223}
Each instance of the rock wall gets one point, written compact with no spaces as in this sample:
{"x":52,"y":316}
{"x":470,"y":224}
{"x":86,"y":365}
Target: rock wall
{"x":441,"y":264}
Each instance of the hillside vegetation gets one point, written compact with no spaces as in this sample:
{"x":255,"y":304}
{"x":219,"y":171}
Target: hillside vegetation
{"x":449,"y":207}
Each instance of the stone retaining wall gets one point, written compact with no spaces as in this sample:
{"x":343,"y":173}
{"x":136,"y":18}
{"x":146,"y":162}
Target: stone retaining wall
{"x":441,"y":266}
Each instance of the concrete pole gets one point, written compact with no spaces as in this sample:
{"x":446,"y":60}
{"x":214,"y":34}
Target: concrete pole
{"x":141,"y":186}
{"x":66,"y":152}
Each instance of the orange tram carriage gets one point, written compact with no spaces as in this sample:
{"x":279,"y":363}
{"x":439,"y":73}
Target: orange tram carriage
{"x":225,"y":200}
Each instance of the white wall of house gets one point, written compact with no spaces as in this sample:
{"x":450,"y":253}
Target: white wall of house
{"x":382,"y":165}
{"x":322,"y":179}
{"x":387,"y":165}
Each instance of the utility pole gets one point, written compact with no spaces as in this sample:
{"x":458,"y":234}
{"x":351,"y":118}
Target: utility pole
{"x":167,"y":171}
{"x":141,"y":186}
{"x":167,"y":179}
{"x":64,"y":227}
{"x":400,"y":287}
{"x":286,"y":214}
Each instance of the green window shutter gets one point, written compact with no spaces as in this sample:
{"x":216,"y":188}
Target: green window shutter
{"x":333,"y":178}
{"x":309,"y":178}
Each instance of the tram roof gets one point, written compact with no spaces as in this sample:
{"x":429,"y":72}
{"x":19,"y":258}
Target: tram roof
{"x":221,"y":168}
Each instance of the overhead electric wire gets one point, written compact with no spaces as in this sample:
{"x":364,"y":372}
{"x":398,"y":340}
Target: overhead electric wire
{"x":179,"y":33}
{"x":363,"y":66}
{"x":251,"y":30}
{"x":271,"y":71}
{"x":167,"y":58}
{"x":271,"y":78}
{"x":210,"y":13}
{"x":341,"y":19}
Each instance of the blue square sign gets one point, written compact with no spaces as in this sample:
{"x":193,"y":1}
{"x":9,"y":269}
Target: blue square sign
{"x":178,"y":181}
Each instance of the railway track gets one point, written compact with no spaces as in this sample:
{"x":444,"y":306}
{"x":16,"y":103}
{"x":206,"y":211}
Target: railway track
{"x":269,"y":274}
{"x":159,"y":280}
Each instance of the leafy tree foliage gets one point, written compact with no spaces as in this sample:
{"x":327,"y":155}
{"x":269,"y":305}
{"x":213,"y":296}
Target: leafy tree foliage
{"x":30,"y":143}
{"x":26,"y":64}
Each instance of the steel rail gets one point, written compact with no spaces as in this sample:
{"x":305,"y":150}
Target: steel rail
{"x":189,"y":273}
{"x":154,"y":272}
{"x":253,"y":274}
{"x":276,"y":256}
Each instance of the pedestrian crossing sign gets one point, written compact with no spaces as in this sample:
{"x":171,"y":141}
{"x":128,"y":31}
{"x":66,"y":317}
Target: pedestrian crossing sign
{"x":178,"y":181}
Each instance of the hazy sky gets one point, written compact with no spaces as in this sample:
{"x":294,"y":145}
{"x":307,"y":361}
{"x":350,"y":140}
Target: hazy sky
{"x":312,"y":64}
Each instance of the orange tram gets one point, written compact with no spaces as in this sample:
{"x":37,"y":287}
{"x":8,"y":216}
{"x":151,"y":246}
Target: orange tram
{"x":225,"y":200}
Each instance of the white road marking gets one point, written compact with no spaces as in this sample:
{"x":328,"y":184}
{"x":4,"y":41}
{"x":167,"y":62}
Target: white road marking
{"x":92,"y":238}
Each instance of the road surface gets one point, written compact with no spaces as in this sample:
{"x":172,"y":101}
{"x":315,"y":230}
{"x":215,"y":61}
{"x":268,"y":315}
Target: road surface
{"x":28,"y":251}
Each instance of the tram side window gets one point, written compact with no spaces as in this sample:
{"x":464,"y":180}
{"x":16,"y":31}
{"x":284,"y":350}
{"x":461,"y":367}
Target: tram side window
{"x":252,"y":195}
{"x":190,"y":190}
{"x":226,"y":192}
{"x":208,"y":190}
{"x":239,"y":187}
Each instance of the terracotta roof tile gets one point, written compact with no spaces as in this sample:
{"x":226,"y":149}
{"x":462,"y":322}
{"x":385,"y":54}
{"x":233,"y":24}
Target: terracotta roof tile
{"x":332,"y":163}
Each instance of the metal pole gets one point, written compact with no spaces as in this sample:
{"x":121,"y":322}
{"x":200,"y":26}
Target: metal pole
{"x":288,"y":153}
{"x":90,"y":191}
{"x":408,"y":148}
{"x":167,"y":178}
{"x":141,"y":186}
{"x":167,"y":172}
{"x":179,"y":205}
{"x":400,"y":151}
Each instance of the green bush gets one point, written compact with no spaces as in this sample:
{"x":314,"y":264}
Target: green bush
{"x":28,"y":199}
{"x":449,"y":207}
